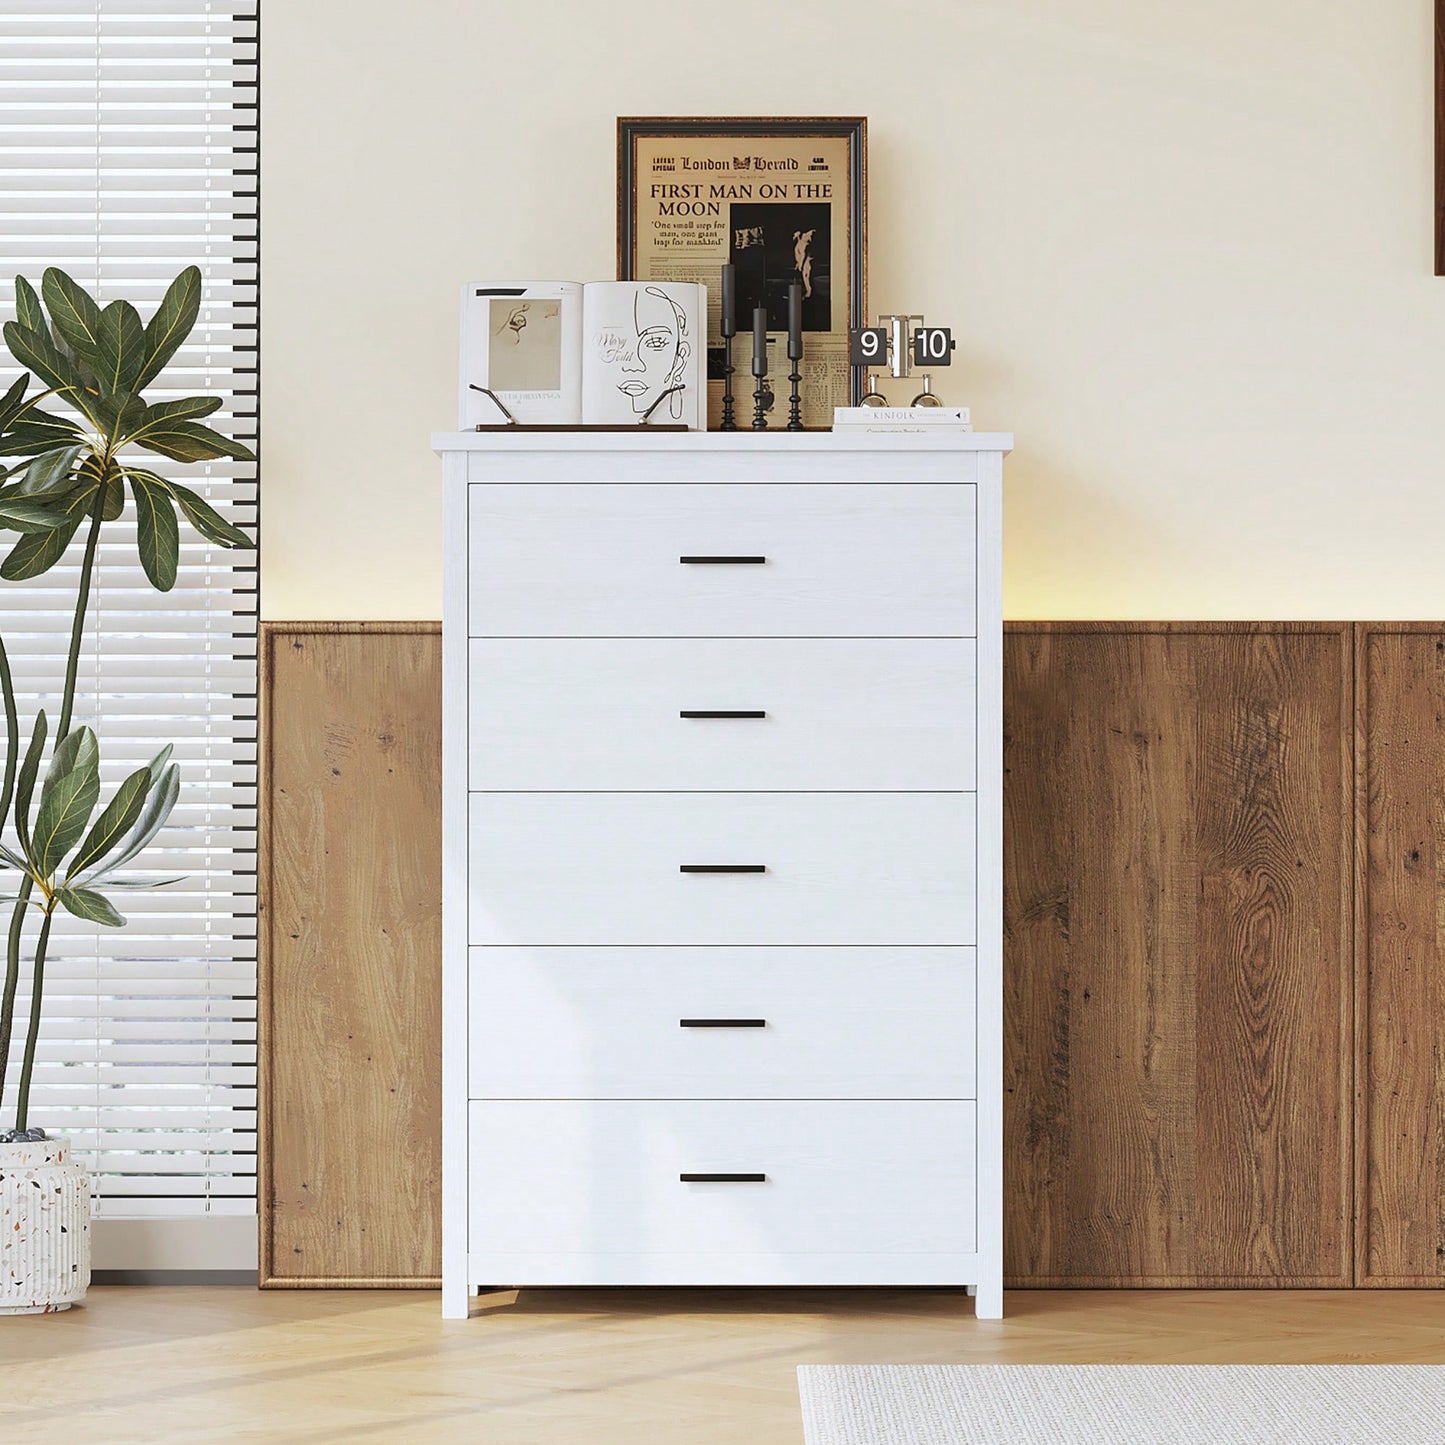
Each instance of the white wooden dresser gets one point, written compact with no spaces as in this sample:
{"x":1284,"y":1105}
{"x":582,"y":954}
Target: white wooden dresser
{"x":722,"y":861}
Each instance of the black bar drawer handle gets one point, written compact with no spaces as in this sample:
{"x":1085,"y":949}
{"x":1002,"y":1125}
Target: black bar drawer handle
{"x":723,"y":1178}
{"x":720,"y":712}
{"x":722,"y":1023}
{"x":723,"y":561}
{"x":722,"y":868}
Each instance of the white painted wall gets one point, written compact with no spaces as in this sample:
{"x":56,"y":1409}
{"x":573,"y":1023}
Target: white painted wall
{"x":1186,"y":250}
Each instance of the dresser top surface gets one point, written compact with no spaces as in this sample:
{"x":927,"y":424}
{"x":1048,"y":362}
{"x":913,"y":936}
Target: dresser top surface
{"x":733,"y":443}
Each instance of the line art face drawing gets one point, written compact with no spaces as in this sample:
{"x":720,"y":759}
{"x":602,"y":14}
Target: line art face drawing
{"x":654,"y":356}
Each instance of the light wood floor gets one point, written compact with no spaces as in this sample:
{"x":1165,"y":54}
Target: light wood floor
{"x":595,"y":1367}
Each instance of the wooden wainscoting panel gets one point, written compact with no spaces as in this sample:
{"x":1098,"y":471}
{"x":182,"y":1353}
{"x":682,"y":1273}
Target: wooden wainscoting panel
{"x":1400,"y":952}
{"x":1178,"y":949}
{"x":350,"y":936}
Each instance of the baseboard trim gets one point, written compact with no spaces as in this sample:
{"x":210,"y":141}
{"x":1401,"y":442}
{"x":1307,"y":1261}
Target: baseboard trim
{"x":200,"y":1245}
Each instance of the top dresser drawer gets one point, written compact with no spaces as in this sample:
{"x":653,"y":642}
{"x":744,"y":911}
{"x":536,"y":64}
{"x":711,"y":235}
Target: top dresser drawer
{"x":844,"y":559}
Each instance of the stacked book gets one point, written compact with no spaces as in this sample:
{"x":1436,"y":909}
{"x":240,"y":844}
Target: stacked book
{"x":901,"y":418}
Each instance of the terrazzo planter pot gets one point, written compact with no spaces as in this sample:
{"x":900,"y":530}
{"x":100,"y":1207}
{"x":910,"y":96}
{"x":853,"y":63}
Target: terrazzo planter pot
{"x":44,"y":1228}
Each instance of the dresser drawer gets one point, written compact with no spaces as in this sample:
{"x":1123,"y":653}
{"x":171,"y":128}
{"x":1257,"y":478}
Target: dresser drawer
{"x":839,"y":560}
{"x":627,"y":868}
{"x":583,"y":1192}
{"x":632,"y":714}
{"x":722,"y":1023}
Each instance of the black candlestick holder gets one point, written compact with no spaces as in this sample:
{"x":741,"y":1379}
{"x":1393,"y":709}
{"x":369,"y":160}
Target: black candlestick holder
{"x":729,"y":422}
{"x":795,"y":354}
{"x":762,"y":398}
{"x":763,"y":394}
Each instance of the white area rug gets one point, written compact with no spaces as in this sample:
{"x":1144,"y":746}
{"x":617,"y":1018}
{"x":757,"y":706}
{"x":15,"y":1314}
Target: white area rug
{"x":1122,"y":1404}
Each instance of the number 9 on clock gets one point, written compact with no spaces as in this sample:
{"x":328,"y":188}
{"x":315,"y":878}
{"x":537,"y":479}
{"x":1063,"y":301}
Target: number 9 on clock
{"x":868,"y":346}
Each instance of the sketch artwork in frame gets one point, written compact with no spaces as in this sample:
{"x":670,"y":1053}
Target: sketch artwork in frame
{"x":522,"y":341}
{"x":783,"y":200}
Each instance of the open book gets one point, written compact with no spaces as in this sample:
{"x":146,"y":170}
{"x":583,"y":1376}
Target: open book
{"x":603,"y":353}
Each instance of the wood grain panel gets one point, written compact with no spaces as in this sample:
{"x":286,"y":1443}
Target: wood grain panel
{"x":1400,"y":948}
{"x":1178,"y":954}
{"x":350,"y":935}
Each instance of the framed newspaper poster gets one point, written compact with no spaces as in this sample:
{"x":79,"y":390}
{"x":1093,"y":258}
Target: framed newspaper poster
{"x":782,"y":200}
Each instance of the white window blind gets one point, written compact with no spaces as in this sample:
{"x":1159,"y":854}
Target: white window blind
{"x":128,"y":151}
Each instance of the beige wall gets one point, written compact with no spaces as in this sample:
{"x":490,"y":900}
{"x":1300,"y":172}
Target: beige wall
{"x":1185,"y":248}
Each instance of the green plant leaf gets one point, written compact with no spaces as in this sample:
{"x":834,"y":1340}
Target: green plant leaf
{"x":182,"y":409}
{"x":118,"y":416}
{"x":13,"y":859}
{"x":171,"y":324}
{"x":142,"y":882}
{"x":38,"y":431}
{"x":36,"y":553}
{"x":70,"y":751}
{"x":39,"y":352}
{"x":160,"y":417}
{"x":152,"y":819}
{"x":40,"y":551}
{"x":19,"y":514}
{"x":91,"y":906}
{"x":189,"y":441}
{"x":158,"y":534}
{"x":203,"y":516}
{"x":68,"y":798}
{"x":114,"y":823}
{"x":52,"y":473}
{"x":74,"y":312}
{"x":25,"y":783}
{"x":61,"y":485}
{"x":13,"y":399}
{"x":120,"y":348}
{"x":164,"y":789}
{"x":28,"y":311}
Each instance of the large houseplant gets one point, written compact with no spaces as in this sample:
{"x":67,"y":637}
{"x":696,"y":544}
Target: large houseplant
{"x":64,"y":474}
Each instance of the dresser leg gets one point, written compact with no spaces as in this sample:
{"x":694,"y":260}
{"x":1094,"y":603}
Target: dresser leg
{"x":988,"y":1299}
{"x":456,"y":1301}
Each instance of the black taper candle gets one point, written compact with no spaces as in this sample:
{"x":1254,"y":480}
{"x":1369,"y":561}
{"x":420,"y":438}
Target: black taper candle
{"x":761,"y":396}
{"x":795,"y":321}
{"x":728,"y":324}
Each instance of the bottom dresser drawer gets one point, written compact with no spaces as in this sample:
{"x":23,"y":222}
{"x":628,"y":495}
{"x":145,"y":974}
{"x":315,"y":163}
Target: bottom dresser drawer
{"x":762,"y":1191}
